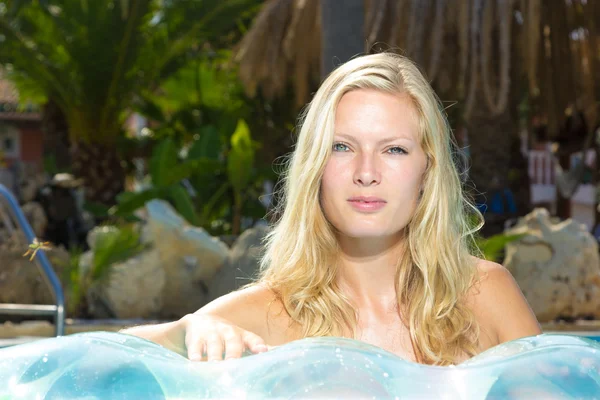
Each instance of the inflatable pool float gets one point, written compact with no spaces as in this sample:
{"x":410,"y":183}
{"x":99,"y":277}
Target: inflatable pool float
{"x":103,"y":365}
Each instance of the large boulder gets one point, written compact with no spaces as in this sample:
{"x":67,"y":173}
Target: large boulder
{"x":133,"y":289}
{"x":35,"y":215}
{"x":189,"y":256}
{"x":167,"y":281}
{"x":21,"y":280}
{"x":242,"y":265}
{"x":557,"y":266}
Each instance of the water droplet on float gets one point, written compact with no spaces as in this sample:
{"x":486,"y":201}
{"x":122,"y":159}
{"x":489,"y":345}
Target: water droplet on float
{"x":386,"y":375}
{"x":45,"y":359}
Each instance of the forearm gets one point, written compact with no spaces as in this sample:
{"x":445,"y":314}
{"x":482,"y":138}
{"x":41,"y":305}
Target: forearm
{"x":170,"y":335}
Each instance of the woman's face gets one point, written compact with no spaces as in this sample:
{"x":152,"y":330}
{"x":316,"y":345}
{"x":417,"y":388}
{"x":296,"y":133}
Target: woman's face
{"x":372,"y":180}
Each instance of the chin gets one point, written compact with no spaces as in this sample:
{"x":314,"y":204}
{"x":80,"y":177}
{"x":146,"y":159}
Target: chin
{"x":365,"y":233}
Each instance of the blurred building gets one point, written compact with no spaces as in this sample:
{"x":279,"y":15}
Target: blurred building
{"x":20,"y":135}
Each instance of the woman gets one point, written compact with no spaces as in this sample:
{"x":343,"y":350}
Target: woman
{"x":375,"y":237}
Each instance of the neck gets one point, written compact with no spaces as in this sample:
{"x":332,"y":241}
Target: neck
{"x":367,"y":270}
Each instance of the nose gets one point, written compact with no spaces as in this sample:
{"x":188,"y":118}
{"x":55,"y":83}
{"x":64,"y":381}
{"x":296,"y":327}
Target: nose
{"x":366,"y":172}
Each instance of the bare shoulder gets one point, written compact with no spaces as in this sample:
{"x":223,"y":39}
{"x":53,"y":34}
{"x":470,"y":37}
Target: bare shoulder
{"x":499,"y":306}
{"x":255,"y":308}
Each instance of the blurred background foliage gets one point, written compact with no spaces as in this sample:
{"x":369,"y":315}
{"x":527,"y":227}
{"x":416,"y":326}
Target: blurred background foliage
{"x":94,"y":64}
{"x":219,"y":85}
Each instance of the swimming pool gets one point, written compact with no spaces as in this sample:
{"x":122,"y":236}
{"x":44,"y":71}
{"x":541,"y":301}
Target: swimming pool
{"x":596,"y":338}
{"x":104,"y":365}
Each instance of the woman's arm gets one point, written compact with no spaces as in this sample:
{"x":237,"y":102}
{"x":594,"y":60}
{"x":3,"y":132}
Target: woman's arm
{"x":170,"y":335}
{"x":228,"y":325}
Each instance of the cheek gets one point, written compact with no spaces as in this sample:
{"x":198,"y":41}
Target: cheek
{"x":407,"y":187}
{"x":332,"y":180}
{"x":332,"y":184}
{"x":326,"y":191}
{"x":403,"y":175}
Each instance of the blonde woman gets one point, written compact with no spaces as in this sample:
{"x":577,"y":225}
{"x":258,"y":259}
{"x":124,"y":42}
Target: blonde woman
{"x":374,"y":241}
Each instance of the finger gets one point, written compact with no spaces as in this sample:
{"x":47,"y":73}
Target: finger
{"x":254,"y":343}
{"x":234,"y":346}
{"x":196,"y":350}
{"x":214,"y":347}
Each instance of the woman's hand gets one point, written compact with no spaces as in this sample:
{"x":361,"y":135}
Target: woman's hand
{"x":208,"y":337}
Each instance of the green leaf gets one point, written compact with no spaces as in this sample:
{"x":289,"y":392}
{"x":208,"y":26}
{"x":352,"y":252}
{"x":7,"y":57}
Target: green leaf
{"x":254,"y":208}
{"x":164,"y":159}
{"x":208,"y":208}
{"x":29,"y":91}
{"x":241,"y":157}
{"x":113,"y":246}
{"x":149,"y":108}
{"x":208,"y":146}
{"x":97,"y":209}
{"x":188,"y":168}
{"x":128,"y":202}
{"x":183,"y":203}
{"x":493,"y":246}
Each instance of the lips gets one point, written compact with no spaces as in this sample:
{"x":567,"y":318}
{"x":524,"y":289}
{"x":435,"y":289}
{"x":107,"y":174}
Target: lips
{"x":367,"y":199}
{"x":367,"y":203}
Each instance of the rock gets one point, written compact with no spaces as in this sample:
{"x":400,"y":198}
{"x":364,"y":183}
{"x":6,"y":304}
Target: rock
{"x":10,"y":330}
{"x":180,"y":294}
{"x":557,"y":266}
{"x":7,"y":178}
{"x":13,"y":239}
{"x":242,"y":265}
{"x":31,"y":180}
{"x":21,"y":280}
{"x":189,"y":256}
{"x":28,"y":190}
{"x":34,"y":212}
{"x":134,"y":289}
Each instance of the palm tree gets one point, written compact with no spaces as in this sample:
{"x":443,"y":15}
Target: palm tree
{"x":91,"y":59}
{"x":488,"y":57}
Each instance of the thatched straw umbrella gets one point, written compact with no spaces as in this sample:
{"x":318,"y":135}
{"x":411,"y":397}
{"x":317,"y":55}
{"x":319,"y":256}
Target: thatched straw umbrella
{"x":487,"y":56}
{"x":285,"y":43}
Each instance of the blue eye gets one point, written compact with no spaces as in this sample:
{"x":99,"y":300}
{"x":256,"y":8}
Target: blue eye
{"x":340,"y":147}
{"x":396,"y":150}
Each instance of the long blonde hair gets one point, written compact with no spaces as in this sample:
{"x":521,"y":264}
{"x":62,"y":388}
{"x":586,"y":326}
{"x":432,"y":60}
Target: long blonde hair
{"x":300,"y":256}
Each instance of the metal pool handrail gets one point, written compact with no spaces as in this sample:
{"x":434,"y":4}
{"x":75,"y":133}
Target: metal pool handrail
{"x":57,"y":309}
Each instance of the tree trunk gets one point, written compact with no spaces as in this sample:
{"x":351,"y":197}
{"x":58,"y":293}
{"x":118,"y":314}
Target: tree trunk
{"x":101,"y":169}
{"x":56,"y":138}
{"x":520,"y":182}
{"x":491,"y":140}
{"x":342,"y":26}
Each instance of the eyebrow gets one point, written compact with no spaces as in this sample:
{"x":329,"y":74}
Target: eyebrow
{"x":384,"y":140}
